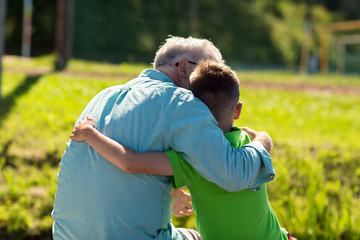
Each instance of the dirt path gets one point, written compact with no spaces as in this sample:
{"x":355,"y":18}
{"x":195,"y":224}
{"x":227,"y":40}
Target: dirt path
{"x":348,"y":90}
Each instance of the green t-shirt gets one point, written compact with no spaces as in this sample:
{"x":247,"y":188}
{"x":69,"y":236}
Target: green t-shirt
{"x":226,"y":215}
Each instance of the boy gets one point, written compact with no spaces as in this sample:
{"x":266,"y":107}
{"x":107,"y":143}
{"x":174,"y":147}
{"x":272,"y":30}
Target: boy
{"x":246,"y":214}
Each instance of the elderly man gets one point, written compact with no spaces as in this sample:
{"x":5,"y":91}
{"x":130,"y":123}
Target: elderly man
{"x":154,"y":112}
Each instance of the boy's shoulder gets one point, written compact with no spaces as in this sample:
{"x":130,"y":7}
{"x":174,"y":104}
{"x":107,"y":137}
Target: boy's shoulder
{"x":237,"y":137}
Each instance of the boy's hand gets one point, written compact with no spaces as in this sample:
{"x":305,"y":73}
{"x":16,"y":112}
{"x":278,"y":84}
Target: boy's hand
{"x":261,"y":137}
{"x":181,"y":204}
{"x":251,"y":132}
{"x":82,"y":131}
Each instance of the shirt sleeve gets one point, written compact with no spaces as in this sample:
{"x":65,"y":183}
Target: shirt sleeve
{"x":184,"y":174}
{"x":195,"y":134}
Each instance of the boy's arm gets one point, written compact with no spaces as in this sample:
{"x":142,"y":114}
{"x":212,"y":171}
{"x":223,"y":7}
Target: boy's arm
{"x":132,"y":162}
{"x":121,"y":156}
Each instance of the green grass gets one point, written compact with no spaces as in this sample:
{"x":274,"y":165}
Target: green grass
{"x":316,"y":156}
{"x":74,"y":65}
{"x":42,"y":63}
{"x":106,"y":68}
{"x":303,"y":118}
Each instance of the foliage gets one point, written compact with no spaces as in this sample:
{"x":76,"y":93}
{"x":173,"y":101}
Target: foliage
{"x":247,"y":32}
{"x":316,"y":192}
{"x":287,"y":27}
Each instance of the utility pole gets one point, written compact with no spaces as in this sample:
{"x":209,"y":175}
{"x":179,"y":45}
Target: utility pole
{"x":27,"y":29}
{"x":2,"y":36}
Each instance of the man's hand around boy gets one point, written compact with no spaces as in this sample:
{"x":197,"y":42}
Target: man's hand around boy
{"x":181,"y":203}
{"x":83,"y":129}
{"x":261,"y":137}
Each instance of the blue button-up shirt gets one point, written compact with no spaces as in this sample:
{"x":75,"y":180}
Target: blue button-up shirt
{"x":96,"y":200}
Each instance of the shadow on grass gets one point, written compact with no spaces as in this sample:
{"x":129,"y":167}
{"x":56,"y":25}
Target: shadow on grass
{"x":7,"y":102}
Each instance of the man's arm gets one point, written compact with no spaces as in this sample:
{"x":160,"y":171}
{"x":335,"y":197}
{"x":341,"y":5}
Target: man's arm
{"x":121,"y":156}
{"x":195,"y":134}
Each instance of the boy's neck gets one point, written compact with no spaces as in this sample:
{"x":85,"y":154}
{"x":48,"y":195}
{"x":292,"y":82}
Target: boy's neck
{"x":225,"y":127}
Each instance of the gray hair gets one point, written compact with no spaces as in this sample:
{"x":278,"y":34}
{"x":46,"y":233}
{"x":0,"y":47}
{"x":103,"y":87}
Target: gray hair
{"x":193,"y":49}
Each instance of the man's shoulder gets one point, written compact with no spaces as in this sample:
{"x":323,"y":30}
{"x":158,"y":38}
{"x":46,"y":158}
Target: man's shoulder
{"x":159,"y":82}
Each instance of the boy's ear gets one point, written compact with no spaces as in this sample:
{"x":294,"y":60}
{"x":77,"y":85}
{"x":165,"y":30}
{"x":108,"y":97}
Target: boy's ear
{"x":238,"y":110}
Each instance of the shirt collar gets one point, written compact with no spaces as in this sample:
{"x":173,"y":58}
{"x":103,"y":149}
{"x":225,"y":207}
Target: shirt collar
{"x":155,"y":75}
{"x":237,"y":137}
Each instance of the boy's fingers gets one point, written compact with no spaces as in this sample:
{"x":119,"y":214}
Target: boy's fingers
{"x":250,"y":131}
{"x":246,"y":129}
{"x":188,"y":212}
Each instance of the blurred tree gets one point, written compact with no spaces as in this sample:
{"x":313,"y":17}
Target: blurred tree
{"x":240,"y":30}
{"x":64,"y":33}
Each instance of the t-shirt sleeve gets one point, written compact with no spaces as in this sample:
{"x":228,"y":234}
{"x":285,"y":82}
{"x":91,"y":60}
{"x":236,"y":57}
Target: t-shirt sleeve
{"x":184,"y":173}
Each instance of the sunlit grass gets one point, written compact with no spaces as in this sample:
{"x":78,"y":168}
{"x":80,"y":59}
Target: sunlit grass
{"x":106,"y":68}
{"x":303,"y":118}
{"x":43,"y":63}
{"x":316,"y":154}
{"x":290,"y":77}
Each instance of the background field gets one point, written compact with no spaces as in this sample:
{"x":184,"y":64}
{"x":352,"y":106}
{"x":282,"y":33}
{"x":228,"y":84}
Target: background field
{"x":313,"y":120}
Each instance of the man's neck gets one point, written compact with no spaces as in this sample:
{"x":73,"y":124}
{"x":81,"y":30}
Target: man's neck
{"x":168,"y":72}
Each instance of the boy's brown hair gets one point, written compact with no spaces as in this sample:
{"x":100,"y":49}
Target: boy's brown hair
{"x":217,"y":86}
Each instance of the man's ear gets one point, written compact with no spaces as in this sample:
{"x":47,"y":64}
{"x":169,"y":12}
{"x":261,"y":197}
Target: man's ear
{"x":238,"y":110}
{"x":182,"y":68}
{"x":183,"y":72}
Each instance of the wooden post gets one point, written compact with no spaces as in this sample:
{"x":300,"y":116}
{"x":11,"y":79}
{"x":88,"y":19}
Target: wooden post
{"x":324,"y":51}
{"x":305,"y":51}
{"x":63,"y":39}
{"x":341,"y":43}
{"x":324,"y":40}
{"x":2,"y":36}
